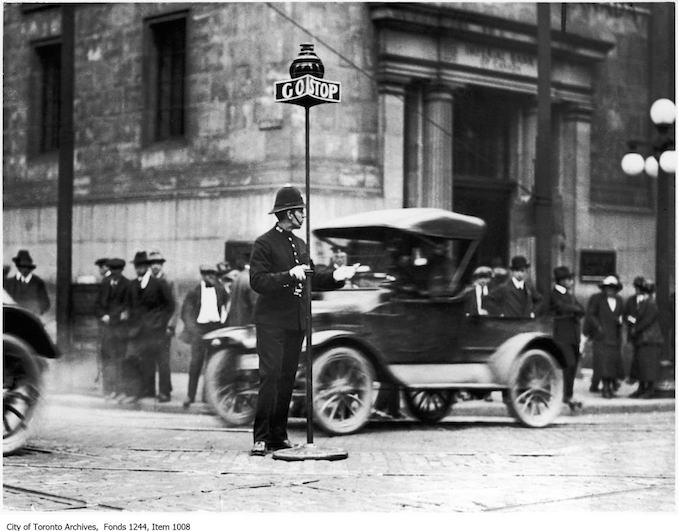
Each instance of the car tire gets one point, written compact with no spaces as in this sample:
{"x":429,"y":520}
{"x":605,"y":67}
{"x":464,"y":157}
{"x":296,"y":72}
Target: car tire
{"x":22,"y":385}
{"x":343,"y":382}
{"x":429,"y":405}
{"x":535,"y":392}
{"x":231,"y":392}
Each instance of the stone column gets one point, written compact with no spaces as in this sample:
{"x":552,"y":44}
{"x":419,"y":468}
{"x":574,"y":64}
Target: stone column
{"x":391,"y":128}
{"x":437,"y":175}
{"x":575,"y":180}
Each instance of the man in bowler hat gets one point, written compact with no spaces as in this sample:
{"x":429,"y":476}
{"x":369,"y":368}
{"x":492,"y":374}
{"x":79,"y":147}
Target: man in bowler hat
{"x":150,"y":305}
{"x":278,"y":268}
{"x":26,"y":288}
{"x":110,"y":309}
{"x":516,"y":297}
{"x":567,"y":313}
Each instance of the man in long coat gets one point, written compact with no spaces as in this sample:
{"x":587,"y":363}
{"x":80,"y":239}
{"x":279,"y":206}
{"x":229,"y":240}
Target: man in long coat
{"x":567,"y":313}
{"x":278,"y":271}
{"x":604,"y":323}
{"x":203,"y":310}
{"x":110,"y":307}
{"x":26,"y":288}
{"x":150,"y":304}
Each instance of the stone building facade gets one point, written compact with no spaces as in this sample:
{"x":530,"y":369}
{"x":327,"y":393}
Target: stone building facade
{"x":179,"y":146}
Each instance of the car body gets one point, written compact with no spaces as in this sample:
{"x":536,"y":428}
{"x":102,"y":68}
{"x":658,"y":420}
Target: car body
{"x":25,"y":347}
{"x":401,"y":322}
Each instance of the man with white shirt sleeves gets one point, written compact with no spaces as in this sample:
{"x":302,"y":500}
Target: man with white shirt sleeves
{"x":278,"y":269}
{"x":566,"y":312}
{"x":516,"y":297}
{"x":27,"y":289}
{"x":203,"y":310}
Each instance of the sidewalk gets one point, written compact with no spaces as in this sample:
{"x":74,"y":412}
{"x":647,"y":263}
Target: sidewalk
{"x":88,"y":395}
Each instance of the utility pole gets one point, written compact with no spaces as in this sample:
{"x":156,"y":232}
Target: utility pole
{"x":543,"y":188}
{"x":65,"y":183}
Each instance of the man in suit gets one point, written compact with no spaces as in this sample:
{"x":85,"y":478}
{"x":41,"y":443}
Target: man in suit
{"x":150,"y":305}
{"x":278,"y":269}
{"x":516,"y":297}
{"x":242,"y":299}
{"x":567,"y":313}
{"x":475,"y":297}
{"x":27,"y":289}
{"x":110,"y":309}
{"x":156,"y":262}
{"x":203,"y":310}
{"x":102,"y":264}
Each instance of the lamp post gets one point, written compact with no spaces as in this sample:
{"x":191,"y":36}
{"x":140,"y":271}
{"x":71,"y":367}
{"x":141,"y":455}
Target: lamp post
{"x":661,"y":164}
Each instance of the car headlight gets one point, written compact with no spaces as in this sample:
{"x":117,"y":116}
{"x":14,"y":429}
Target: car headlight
{"x":215,"y":342}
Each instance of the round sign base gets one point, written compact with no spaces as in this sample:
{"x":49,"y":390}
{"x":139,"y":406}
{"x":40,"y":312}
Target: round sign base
{"x":309,"y":452}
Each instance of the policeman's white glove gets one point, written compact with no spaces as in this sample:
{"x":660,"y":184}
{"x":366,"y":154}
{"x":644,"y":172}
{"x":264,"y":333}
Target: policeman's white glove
{"x":344,"y":272}
{"x":298,"y":272}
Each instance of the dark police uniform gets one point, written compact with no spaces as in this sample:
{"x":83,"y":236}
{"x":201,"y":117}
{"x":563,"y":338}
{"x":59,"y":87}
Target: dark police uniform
{"x":280,"y":317}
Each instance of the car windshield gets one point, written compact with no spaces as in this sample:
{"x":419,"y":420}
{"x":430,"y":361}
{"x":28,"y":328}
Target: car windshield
{"x":410,"y":265}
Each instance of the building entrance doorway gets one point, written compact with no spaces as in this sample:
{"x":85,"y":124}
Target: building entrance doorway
{"x":490,"y":201}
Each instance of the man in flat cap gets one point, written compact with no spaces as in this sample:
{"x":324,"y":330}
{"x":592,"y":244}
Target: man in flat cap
{"x":567,"y":312}
{"x":516,"y":297}
{"x":102,"y":264}
{"x":156,"y":262}
{"x":278,"y":269}
{"x":150,"y":305}
{"x":475,"y":297}
{"x":110,"y":308}
{"x":26,"y":288}
{"x":203,"y":310}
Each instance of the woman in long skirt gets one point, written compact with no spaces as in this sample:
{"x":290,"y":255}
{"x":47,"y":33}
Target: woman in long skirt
{"x":647,"y":341}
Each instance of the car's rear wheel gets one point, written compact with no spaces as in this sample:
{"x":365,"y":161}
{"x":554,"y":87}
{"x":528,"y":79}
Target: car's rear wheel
{"x":343,"y":381}
{"x":22,"y":382}
{"x":230,"y":391}
{"x":535,"y":392}
{"x":429,"y":405}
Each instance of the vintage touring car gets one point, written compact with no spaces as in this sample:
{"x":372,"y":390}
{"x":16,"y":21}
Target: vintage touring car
{"x":401,"y":322}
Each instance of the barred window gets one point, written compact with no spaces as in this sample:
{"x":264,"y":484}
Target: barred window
{"x":45,"y":99}
{"x":165,"y":81}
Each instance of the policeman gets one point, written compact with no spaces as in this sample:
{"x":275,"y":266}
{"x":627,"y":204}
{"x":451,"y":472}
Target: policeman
{"x":278,"y":268}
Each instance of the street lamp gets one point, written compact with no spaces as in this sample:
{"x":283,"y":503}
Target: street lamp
{"x":660,"y":165}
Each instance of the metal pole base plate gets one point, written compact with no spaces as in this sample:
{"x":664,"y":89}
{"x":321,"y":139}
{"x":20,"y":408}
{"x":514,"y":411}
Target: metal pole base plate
{"x":309,"y":452}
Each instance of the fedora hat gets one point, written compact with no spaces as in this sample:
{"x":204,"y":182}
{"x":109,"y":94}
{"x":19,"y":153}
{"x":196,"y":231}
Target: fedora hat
{"x":23,"y":259}
{"x":156,"y":256}
{"x":561,"y":273}
{"x":639,"y":282}
{"x":116,"y":263}
{"x":287,"y":198}
{"x":140,"y":258}
{"x":519,"y":262}
{"x":611,"y":281}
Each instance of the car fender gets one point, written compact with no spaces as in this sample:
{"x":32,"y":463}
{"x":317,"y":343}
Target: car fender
{"x":243,"y":337}
{"x":27,"y":327}
{"x":502,"y":360}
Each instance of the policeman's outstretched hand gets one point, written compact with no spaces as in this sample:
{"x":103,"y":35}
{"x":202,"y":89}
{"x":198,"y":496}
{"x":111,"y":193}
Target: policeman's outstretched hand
{"x":298,"y":272}
{"x":344,"y":272}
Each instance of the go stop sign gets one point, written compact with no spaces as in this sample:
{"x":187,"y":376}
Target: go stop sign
{"x":307,"y":91}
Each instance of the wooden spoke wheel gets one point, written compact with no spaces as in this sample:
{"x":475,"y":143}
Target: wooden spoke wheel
{"x":230,"y":391}
{"x":429,"y":405}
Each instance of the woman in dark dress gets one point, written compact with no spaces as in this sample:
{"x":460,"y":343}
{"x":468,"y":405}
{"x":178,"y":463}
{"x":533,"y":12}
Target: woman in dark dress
{"x":604,"y":325}
{"x":647,"y":340}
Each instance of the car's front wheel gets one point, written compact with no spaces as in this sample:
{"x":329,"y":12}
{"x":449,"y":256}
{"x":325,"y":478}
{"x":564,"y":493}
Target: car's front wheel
{"x":230,"y":390}
{"x":535,"y":392}
{"x":343,"y":381}
{"x":22,"y":382}
{"x":429,"y":405}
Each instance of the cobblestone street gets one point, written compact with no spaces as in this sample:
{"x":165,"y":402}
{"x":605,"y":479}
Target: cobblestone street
{"x":143,"y":461}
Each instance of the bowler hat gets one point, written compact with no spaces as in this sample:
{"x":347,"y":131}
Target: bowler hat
{"x":140,"y":258}
{"x":207,"y":268}
{"x":610,"y":281}
{"x":116,"y":263}
{"x":155,"y":256}
{"x":101,"y":261}
{"x":519,"y":262}
{"x":639,"y":282}
{"x":23,"y":259}
{"x":482,"y":272}
{"x":561,"y":273}
{"x":287,"y":198}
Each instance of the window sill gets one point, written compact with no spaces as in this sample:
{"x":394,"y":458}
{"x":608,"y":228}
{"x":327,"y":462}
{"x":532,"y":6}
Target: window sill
{"x":621,"y":209}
